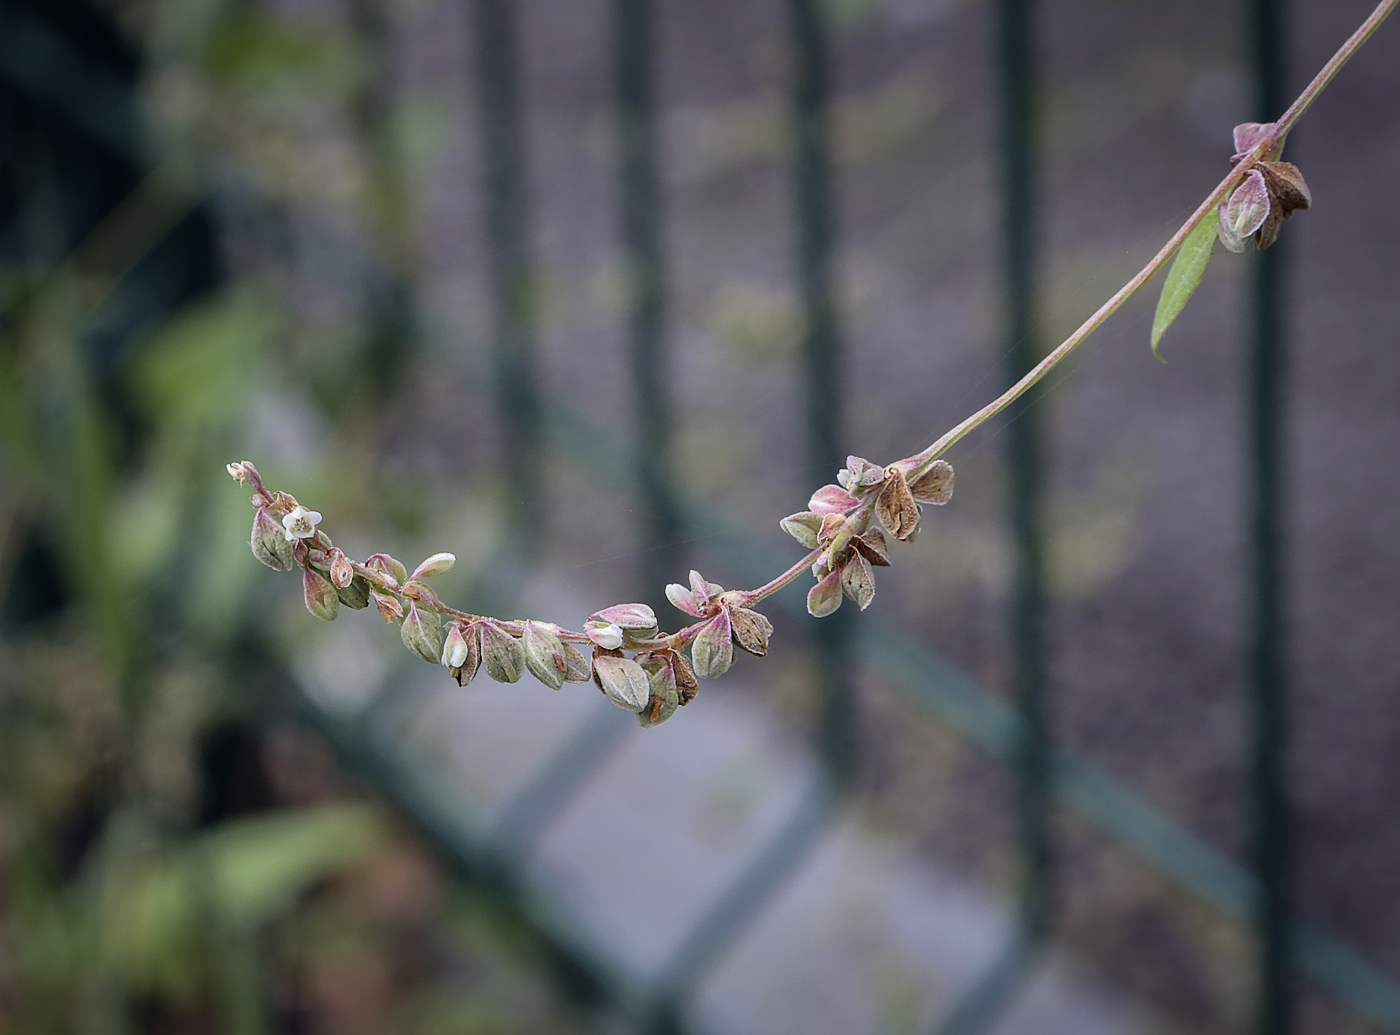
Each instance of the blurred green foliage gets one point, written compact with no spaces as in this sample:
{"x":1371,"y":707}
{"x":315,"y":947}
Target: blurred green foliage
{"x":177,"y":853}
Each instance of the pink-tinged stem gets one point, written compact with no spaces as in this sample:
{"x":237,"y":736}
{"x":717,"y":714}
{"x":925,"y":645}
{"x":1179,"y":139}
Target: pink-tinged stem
{"x":753,"y":596}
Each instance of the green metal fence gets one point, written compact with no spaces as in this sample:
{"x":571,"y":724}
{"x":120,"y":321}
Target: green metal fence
{"x":47,"y":70}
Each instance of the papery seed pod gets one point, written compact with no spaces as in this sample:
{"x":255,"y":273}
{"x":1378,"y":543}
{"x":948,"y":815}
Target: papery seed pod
{"x":858,"y":581}
{"x":803,"y":526}
{"x":342,"y":572}
{"x":713,"y":647}
{"x":623,"y":680}
{"x":1267,"y":233}
{"x":896,"y":507}
{"x":604,"y":634}
{"x":319,"y":594}
{"x":660,"y":706}
{"x":1286,"y":186}
{"x":836,"y":534}
{"x":355,"y":595}
{"x":421,"y":633}
{"x":872,"y":547}
{"x":629,"y":617}
{"x":1288,"y":193}
{"x":825,"y":596}
{"x":656,"y":664}
{"x":935,"y":485}
{"x":637,"y":621}
{"x":389,"y":565}
{"x":832,"y":527}
{"x":389,"y":605}
{"x":269,"y":543}
{"x":686,"y":683}
{"x":577,"y":667}
{"x":750,"y":630}
{"x":437,"y":564}
{"x":661,"y":676}
{"x":544,"y":654}
{"x":501,"y":653}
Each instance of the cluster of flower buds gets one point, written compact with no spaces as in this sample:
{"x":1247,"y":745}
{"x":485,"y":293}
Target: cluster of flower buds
{"x":660,"y":675}
{"x":849,"y":546}
{"x":1271,"y":192}
{"x":727,"y":624}
{"x":505,"y":655}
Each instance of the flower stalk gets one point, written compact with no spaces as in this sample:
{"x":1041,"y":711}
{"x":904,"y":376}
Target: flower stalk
{"x":839,"y":529}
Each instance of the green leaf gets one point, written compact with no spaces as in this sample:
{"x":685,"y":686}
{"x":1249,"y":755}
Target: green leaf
{"x":1183,"y":278}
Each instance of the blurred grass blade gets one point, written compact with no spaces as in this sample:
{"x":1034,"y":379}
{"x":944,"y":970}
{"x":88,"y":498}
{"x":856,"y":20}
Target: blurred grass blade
{"x":1183,"y":278}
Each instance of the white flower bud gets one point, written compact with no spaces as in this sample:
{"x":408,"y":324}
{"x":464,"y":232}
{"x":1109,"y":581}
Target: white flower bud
{"x":605,"y":634}
{"x":437,"y":564}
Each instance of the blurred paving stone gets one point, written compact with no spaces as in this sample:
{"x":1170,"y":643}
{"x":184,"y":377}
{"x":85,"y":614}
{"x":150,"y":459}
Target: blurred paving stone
{"x":863,"y":936}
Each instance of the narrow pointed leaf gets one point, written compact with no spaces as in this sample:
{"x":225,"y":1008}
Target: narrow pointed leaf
{"x":1183,"y":278}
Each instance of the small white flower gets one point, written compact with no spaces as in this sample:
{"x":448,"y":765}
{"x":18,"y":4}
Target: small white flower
{"x":301,"y":523}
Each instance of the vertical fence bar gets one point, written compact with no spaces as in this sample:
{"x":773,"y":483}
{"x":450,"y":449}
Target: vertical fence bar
{"x":1028,"y":601}
{"x":511,"y":275}
{"x":990,"y":994}
{"x":1268,"y":686}
{"x":392,"y":336}
{"x":821,"y":347}
{"x":640,"y":223}
{"x":646,"y":300}
{"x":814,"y":216}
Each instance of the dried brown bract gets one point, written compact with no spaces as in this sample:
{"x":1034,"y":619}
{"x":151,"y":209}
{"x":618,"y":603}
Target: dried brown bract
{"x":750,"y":630}
{"x":897,"y":509}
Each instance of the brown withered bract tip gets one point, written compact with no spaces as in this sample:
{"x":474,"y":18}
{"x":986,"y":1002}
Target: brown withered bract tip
{"x":471,"y":662}
{"x":1286,"y":186}
{"x":341,"y":571}
{"x":687,"y":685}
{"x":1288,"y":193}
{"x":750,"y":630}
{"x":388,"y":605}
{"x":872,"y":547}
{"x":578,"y":669}
{"x":935,"y":485}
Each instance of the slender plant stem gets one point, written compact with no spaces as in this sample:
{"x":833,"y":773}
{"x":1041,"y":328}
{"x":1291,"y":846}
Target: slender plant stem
{"x":917,"y":464}
{"x":753,"y":596}
{"x":920,"y":462}
{"x":1330,"y":70}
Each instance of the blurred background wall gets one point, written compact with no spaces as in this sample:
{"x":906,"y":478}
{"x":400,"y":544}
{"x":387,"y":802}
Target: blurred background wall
{"x":400,"y":255}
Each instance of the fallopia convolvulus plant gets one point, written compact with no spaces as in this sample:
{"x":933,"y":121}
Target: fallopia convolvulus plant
{"x":663,"y":669}
{"x":652,"y":673}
